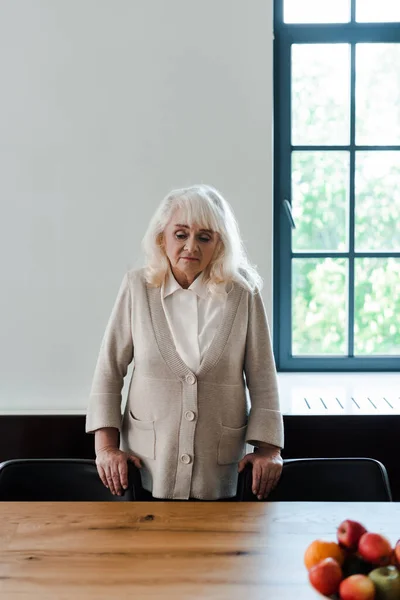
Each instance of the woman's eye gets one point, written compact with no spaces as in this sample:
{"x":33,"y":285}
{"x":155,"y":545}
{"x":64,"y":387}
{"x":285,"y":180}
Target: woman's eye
{"x":181,"y":235}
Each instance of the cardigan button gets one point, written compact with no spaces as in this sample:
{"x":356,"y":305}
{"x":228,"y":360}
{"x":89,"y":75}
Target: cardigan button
{"x":189,"y":415}
{"x":186,"y":459}
{"x":191,"y":379}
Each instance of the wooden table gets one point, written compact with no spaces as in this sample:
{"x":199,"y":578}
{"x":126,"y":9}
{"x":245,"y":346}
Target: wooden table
{"x":169,"y":550}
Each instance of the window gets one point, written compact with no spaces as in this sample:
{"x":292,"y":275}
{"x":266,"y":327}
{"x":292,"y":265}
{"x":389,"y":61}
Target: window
{"x":337,"y":185}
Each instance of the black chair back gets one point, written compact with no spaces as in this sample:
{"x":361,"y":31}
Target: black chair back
{"x":64,"y":480}
{"x":325,"y":480}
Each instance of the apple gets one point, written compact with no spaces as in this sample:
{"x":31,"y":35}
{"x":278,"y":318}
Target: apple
{"x":357,"y":587}
{"x":349,"y":533}
{"x":375,"y":548}
{"x":396,"y":554}
{"x":387,"y":583}
{"x":326,"y":576}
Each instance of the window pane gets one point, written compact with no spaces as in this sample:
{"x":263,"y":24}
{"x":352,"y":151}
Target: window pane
{"x":369,"y":11}
{"x":320,"y":200}
{"x":378,"y":94}
{"x":377,"y":306}
{"x":316,"y":11}
{"x":377,"y":215}
{"x":320,"y":94}
{"x":319,"y":290}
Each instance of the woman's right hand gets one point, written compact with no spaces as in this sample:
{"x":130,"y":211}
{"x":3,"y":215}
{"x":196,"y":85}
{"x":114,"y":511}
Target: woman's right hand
{"x":112,"y":466}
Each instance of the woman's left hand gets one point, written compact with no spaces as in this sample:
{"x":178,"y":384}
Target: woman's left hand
{"x":267,"y":468}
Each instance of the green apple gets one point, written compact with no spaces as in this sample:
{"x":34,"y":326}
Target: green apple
{"x":387,"y":583}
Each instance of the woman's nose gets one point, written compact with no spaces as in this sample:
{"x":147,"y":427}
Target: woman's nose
{"x":191,"y":244}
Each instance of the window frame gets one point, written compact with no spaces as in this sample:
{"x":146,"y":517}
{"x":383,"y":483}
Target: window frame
{"x":286,"y":34}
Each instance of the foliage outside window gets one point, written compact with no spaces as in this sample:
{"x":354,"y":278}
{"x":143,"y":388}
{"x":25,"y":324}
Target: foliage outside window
{"x":337,"y":179}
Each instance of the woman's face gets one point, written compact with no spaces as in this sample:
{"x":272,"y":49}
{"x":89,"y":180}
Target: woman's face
{"x":189,"y":249}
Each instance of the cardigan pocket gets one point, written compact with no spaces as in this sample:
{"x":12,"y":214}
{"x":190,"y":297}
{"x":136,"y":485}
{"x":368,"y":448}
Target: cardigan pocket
{"x":231,"y":445}
{"x":142,"y":437}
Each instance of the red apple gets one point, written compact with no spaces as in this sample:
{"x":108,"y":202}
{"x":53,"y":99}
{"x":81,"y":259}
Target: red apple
{"x":357,"y":587}
{"x":349,"y":533}
{"x":375,"y":548}
{"x":326,"y":576}
{"x":396,"y":554}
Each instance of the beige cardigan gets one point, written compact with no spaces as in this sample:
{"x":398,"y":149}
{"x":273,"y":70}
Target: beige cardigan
{"x":188,"y":428}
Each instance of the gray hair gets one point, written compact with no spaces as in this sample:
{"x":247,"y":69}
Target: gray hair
{"x":205,"y":207}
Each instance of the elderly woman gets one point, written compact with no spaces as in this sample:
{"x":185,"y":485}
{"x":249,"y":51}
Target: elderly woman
{"x":194,"y":324}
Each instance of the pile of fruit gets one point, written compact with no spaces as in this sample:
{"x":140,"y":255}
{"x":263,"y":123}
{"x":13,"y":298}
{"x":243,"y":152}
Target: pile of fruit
{"x":359,"y":566}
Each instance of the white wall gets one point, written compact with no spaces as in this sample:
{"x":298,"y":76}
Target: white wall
{"x":106,"y":105}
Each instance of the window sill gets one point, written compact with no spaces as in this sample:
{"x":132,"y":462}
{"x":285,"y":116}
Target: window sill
{"x":42,"y":412}
{"x":344,"y":394}
{"x":311,"y":394}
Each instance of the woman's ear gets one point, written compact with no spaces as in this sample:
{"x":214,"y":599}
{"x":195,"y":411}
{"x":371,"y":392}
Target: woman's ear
{"x":160,"y":241}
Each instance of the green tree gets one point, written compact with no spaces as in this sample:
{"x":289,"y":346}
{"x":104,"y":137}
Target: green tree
{"x":320,"y":199}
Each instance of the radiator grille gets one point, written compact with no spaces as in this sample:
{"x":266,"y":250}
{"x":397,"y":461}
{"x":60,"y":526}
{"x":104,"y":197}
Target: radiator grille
{"x":357,"y":404}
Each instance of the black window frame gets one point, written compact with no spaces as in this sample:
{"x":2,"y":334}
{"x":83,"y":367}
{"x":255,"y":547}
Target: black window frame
{"x":286,"y":34}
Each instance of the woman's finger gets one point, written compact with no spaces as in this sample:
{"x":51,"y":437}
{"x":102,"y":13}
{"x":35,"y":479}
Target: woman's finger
{"x":274,"y":481}
{"x":248,"y":459}
{"x":135,"y":460}
{"x":110,"y":480}
{"x":278,"y":474}
{"x":256,"y":477}
{"x":102,"y":475}
{"x":123,"y":473}
{"x":268,"y":477}
{"x":116,"y":479}
{"x":271,"y":486}
{"x":265,"y":481}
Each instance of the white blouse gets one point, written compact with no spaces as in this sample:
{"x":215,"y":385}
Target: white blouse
{"x":193,"y":316}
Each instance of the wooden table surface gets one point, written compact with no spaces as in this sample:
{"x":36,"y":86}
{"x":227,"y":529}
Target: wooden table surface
{"x":170,"y":550}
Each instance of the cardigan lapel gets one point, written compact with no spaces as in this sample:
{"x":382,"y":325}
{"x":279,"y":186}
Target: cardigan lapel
{"x":163,"y":335}
{"x":165,"y":341}
{"x":222,"y":334}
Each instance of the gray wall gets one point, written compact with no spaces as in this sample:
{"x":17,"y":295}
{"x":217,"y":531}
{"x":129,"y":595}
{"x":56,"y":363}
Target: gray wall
{"x":106,"y":105}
